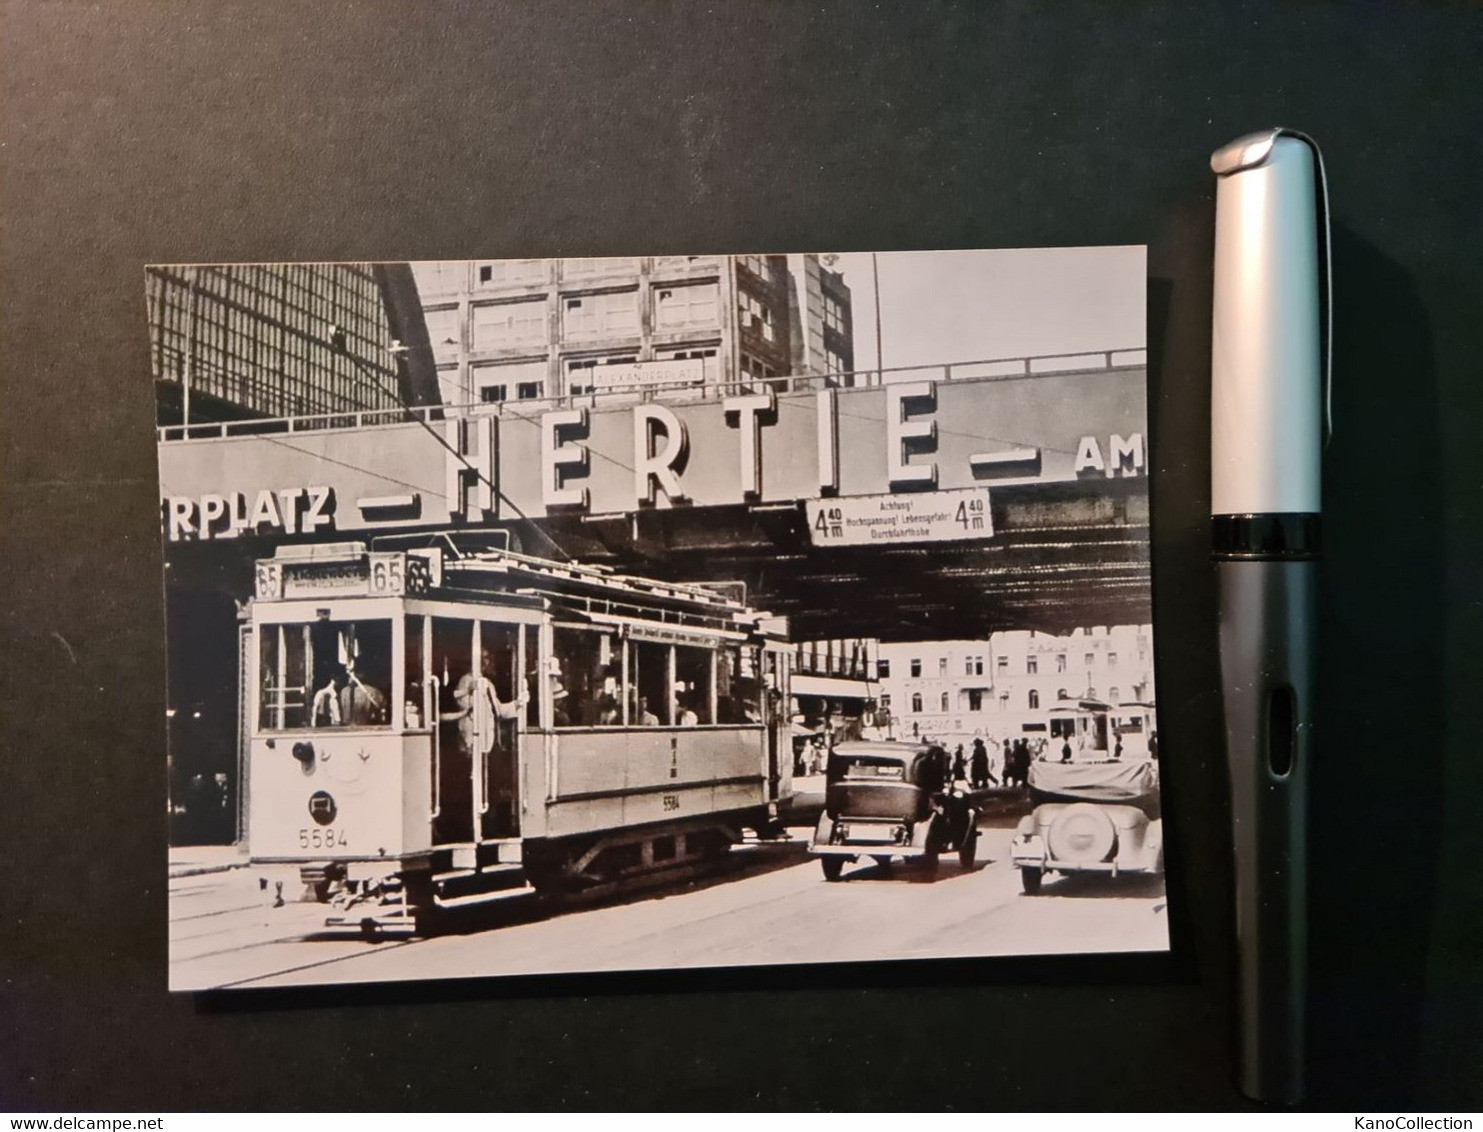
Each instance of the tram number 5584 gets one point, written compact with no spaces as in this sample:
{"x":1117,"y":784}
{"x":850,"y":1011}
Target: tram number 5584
{"x":322,"y":838}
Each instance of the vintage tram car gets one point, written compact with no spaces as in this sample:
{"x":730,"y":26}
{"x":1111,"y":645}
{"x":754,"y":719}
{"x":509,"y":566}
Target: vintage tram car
{"x":431,"y":728}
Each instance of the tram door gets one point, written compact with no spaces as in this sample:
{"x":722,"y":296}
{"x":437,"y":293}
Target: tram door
{"x":497,"y":730}
{"x":777,"y":718}
{"x":477,"y":666}
{"x":452,"y":661}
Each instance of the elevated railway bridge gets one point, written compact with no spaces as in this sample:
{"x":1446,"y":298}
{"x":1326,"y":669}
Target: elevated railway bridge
{"x":941,"y":502}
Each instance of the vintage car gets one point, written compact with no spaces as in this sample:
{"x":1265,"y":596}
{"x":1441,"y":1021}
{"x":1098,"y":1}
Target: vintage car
{"x":1090,"y":817}
{"x":886,"y":800}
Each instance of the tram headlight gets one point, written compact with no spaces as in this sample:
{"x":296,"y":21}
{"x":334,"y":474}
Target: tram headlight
{"x":304,"y":752}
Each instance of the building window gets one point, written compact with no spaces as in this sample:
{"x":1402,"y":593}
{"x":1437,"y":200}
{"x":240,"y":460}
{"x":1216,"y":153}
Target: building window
{"x":942,"y":666}
{"x":1091,"y":659}
{"x":684,"y":355}
{"x":755,"y":264}
{"x":975,"y":699}
{"x":445,"y":277}
{"x":1003,"y":701}
{"x":586,"y":268}
{"x":1032,"y":665}
{"x":833,"y":314}
{"x":755,"y":315}
{"x":679,"y":308}
{"x":755,"y":367}
{"x":505,"y":325}
{"x":916,"y":703}
{"x":1112,"y":660}
{"x":1062,"y":694}
{"x":506,"y":271}
{"x":886,"y":700}
{"x":1112,"y":695}
{"x":945,"y":701}
{"x":916,"y":668}
{"x":883,"y":668}
{"x":973,"y":666}
{"x":1034,"y":699}
{"x":494,"y":383}
{"x":607,"y":315}
{"x":834,"y":362}
{"x":1091,"y":693}
{"x":1003,"y":665}
{"x":1060,"y":662}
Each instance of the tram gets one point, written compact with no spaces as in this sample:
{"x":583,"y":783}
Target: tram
{"x":431,"y":728}
{"x":1096,"y":730}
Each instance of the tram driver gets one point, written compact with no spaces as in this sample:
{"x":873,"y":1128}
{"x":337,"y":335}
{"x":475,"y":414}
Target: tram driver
{"x":348,"y":701}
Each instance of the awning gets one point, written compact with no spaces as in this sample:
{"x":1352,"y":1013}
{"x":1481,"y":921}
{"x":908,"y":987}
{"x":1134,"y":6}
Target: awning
{"x":834,"y":687}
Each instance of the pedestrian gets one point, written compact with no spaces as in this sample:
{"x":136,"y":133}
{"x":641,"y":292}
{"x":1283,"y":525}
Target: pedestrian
{"x":1066,"y":750}
{"x":980,"y":765}
{"x":1117,"y":749}
{"x":960,"y":765}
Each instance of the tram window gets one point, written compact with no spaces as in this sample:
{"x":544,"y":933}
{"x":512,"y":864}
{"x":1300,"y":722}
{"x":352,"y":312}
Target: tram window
{"x":738,"y":691}
{"x":532,"y":675}
{"x":648,"y":676}
{"x":416,"y":675}
{"x":693,"y":686}
{"x":326,"y":674}
{"x":586,"y":689}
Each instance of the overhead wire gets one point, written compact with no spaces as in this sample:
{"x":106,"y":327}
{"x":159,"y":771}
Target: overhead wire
{"x":462,"y":459}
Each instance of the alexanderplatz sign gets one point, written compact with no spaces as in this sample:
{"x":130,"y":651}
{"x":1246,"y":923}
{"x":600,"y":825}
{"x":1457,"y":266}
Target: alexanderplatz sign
{"x":918,"y":508}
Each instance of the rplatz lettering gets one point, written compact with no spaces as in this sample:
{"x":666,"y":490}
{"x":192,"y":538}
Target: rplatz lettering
{"x":290,"y":511}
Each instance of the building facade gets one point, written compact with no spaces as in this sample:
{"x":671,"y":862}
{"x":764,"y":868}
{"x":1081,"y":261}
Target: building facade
{"x":527,"y":330}
{"x":239,"y":341}
{"x":959,"y":690}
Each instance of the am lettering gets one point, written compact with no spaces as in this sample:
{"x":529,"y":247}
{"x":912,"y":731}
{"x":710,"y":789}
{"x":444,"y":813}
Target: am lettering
{"x":1124,"y":456}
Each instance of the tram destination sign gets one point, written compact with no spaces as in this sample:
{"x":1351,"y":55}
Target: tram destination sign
{"x":386,"y":574}
{"x":881,"y":520}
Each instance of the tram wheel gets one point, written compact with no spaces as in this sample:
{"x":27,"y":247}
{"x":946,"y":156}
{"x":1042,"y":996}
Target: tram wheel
{"x":833,"y":867}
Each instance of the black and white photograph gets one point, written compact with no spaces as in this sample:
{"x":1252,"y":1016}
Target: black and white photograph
{"x":576,"y":615}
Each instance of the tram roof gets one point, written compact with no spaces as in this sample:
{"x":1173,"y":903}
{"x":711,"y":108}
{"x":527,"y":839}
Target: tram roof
{"x":559,"y":578}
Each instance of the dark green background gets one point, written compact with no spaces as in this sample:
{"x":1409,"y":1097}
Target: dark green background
{"x":167,"y":131}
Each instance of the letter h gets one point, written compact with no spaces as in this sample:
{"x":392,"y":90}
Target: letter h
{"x":476,"y":469}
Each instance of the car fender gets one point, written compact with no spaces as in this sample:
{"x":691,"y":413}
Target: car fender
{"x":824,"y":831}
{"x":1153,"y":846}
{"x":1028,"y":849}
{"x":922,"y":830}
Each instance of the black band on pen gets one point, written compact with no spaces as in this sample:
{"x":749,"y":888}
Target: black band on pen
{"x":1277,"y":535}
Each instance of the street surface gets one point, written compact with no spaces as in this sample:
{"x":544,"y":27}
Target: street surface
{"x":768,"y":904}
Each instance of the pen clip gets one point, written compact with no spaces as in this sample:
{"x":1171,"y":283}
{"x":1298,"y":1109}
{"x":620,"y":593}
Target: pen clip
{"x":1326,"y":293}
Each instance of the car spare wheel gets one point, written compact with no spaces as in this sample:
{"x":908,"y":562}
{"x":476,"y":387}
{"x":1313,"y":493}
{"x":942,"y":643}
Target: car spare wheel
{"x":1082,"y":832}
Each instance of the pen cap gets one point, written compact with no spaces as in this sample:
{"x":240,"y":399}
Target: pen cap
{"x":1269,"y":327}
